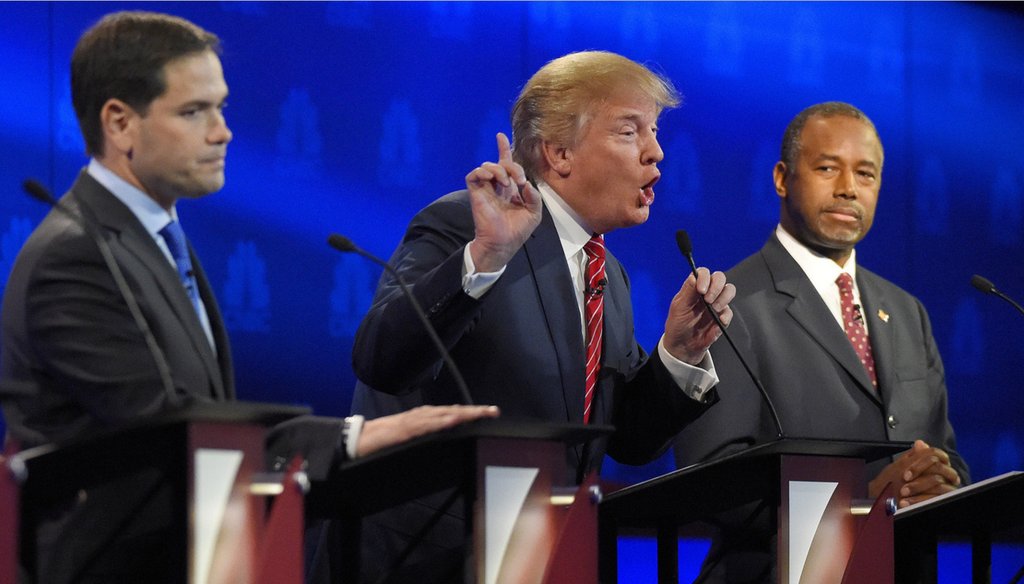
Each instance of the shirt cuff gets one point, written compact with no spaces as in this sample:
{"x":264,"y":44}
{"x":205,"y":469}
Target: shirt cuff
{"x":353,"y":427}
{"x":695,"y":380}
{"x":474,"y":283}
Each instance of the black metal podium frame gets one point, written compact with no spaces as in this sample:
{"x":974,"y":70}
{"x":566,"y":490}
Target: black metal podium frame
{"x":667,"y":502}
{"x":983,"y":513}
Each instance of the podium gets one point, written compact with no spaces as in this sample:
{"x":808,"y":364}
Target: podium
{"x":985,"y":512}
{"x":528,"y":521}
{"x":189,"y":472}
{"x":813,"y":487}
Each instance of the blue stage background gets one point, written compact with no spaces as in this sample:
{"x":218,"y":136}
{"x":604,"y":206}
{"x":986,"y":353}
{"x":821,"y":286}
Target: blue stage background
{"x":349,"y":117}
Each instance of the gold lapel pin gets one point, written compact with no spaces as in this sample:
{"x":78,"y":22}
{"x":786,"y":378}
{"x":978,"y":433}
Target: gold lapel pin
{"x":883,"y":315}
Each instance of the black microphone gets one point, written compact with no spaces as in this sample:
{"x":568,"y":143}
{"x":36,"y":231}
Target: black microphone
{"x":344,"y":244}
{"x":599,"y":289}
{"x":91,"y":227}
{"x":683,"y":241}
{"x":989,"y":288}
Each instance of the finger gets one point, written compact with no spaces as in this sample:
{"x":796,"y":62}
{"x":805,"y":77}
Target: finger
{"x":504,"y":148}
{"x":479,"y":176}
{"x":928,"y":483}
{"x":918,"y":467}
{"x":530,"y":196}
{"x":499,"y":172}
{"x":725,"y":298}
{"x":717,"y":290}
{"x":703,"y":281}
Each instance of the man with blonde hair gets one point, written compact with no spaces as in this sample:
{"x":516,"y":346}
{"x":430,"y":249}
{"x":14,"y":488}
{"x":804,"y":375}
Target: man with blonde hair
{"x":516,"y":280}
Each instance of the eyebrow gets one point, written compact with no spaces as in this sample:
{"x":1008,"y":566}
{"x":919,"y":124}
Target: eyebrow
{"x":835,"y":158}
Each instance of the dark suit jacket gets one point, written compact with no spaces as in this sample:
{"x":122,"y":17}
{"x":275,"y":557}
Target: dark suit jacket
{"x":520,"y":346}
{"x":810,"y":369}
{"x":74,"y":361}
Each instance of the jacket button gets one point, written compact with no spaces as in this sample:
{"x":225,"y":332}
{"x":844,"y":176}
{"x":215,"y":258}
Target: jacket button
{"x":892,"y":421}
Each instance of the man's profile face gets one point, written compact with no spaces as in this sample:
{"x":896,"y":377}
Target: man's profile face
{"x":614,"y":163}
{"x":179,"y":146}
{"x":829,"y":197}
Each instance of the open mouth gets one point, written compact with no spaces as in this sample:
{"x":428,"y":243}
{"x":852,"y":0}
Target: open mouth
{"x":647,"y":193}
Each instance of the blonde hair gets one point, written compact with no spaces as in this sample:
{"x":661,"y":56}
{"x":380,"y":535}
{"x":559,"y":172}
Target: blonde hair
{"x":556,"y":103}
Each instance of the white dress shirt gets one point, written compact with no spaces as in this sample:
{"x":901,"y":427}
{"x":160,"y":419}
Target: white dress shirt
{"x":823,"y":272}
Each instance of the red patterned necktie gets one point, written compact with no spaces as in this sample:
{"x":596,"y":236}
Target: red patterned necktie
{"x":853,"y":322}
{"x":594,"y":298}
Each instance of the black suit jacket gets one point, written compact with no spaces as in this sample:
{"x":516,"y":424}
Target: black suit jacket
{"x":519,"y":347}
{"x":815,"y":379}
{"x":73,"y":361}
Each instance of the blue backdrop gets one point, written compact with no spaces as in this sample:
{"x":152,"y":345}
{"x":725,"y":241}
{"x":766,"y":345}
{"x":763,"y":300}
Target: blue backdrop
{"x":349,"y":117}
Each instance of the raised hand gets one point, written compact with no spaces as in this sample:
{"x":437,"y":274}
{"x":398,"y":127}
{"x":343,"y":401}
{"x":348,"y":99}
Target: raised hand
{"x":918,"y":474}
{"x":506,"y":209}
{"x":689,"y":329}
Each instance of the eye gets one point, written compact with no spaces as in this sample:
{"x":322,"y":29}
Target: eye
{"x":867,"y":175}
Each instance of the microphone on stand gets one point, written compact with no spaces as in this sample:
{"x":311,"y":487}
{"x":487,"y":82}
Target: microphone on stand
{"x":989,"y":288}
{"x":93,"y":230}
{"x":683,"y":241}
{"x":344,"y":244}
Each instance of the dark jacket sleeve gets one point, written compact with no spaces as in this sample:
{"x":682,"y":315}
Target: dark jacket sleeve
{"x":392,"y":349}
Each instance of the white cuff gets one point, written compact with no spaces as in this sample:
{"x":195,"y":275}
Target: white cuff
{"x":474,"y":283}
{"x":695,"y":380}
{"x":350,"y":431}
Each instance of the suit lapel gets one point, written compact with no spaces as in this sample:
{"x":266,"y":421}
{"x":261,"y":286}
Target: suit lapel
{"x":881,"y":334}
{"x":558,"y":303}
{"x":136,"y":241}
{"x":810,"y":312}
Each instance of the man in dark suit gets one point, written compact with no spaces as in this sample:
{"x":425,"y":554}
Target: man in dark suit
{"x":803,"y":326}
{"x":149,"y":94}
{"x":511,"y":270}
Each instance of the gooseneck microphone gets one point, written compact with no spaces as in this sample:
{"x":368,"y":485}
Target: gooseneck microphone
{"x":91,"y":227}
{"x":989,"y":288}
{"x":344,"y":244}
{"x":683,"y":241}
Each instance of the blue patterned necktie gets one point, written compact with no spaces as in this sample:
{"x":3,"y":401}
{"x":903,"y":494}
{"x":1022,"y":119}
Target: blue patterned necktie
{"x":174,"y":236}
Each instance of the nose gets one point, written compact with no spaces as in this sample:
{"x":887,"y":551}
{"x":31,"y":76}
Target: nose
{"x":846,"y":186}
{"x":653,"y":154}
{"x":219,"y":131}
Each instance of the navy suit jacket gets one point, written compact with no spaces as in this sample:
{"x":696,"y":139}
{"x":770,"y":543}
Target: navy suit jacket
{"x":519,"y":347}
{"x":812,"y":373}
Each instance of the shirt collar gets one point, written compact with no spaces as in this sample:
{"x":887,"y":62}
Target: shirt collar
{"x":821,"y":270}
{"x":568,"y":224}
{"x":152,"y":216}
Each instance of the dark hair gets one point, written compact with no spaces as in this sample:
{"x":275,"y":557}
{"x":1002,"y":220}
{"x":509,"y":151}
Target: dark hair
{"x":123,"y":56}
{"x":791,"y":137}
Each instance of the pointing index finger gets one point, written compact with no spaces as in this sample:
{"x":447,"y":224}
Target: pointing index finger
{"x":504,"y":149}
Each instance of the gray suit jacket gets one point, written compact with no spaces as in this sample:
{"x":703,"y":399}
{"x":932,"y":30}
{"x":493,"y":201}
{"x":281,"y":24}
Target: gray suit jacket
{"x":73,"y":361}
{"x":810,"y":369}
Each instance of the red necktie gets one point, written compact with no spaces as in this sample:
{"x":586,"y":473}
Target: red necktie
{"x":853,"y":322}
{"x":594,"y":298}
